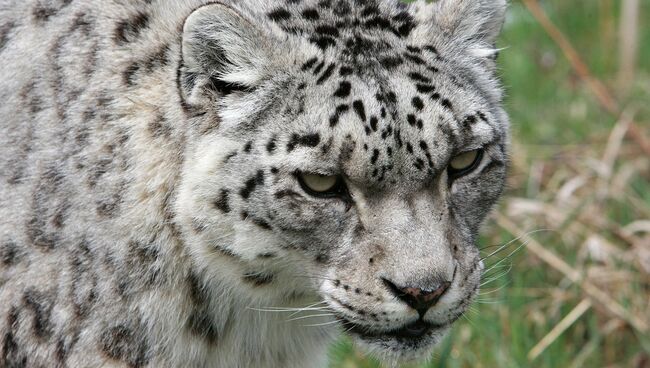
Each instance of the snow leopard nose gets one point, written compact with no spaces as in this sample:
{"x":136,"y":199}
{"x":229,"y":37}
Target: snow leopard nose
{"x":420,"y":299}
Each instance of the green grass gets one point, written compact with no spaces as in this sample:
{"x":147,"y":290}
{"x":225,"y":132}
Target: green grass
{"x":551,"y":109}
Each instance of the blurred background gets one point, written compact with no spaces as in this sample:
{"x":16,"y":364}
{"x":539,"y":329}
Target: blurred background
{"x":570,"y":241}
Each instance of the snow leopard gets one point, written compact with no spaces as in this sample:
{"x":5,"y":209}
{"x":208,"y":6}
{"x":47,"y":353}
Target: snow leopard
{"x":235,"y":183}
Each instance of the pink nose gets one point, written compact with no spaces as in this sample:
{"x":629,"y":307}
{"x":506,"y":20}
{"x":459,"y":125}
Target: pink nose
{"x":420,"y":299}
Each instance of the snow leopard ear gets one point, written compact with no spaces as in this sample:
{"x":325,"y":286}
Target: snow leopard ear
{"x":476,"y":21}
{"x":222,"y":52}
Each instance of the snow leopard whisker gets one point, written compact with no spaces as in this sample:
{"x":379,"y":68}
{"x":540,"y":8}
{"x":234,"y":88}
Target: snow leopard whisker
{"x":496,"y":277}
{"x":494,"y":290}
{"x":311,"y":316}
{"x":312,"y":277}
{"x":287,"y":310}
{"x":469,"y":320}
{"x":495,"y":269}
{"x":295,"y":310}
{"x":522,"y":245}
{"x":323,"y":305}
{"x":488,"y":301}
{"x":506,"y":245}
{"x":322,"y":324}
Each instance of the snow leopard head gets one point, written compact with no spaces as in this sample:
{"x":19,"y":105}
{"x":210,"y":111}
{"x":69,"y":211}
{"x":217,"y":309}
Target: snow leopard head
{"x":359,"y":144}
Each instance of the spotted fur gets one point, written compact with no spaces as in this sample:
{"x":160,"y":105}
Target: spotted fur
{"x":150,"y":209}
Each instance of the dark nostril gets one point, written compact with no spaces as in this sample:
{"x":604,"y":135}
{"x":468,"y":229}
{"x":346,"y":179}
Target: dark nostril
{"x":420,"y":299}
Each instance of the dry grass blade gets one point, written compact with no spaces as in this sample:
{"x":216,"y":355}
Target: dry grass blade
{"x":565,"y":323}
{"x":611,"y":305}
{"x":615,"y":141}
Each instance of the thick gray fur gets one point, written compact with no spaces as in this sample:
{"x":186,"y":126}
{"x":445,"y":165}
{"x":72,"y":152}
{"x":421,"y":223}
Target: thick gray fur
{"x":150,"y":212}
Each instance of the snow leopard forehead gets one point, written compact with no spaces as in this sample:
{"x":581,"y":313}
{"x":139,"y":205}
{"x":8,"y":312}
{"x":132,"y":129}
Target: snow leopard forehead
{"x":374,"y":89}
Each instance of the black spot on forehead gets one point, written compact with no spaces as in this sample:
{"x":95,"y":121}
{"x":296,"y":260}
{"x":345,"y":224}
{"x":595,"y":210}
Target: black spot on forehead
{"x":279,"y":14}
{"x":310,"y":14}
{"x":417,"y":103}
{"x":271,"y":145}
{"x":340,"y":110}
{"x":425,"y":88}
{"x":323,"y":42}
{"x":369,"y":10}
{"x":407,"y":23}
{"x":447,"y":104}
{"x":391,"y":62}
{"x":387,"y":132}
{"x":387,"y":97}
{"x":431,"y":48}
{"x":378,"y":22}
{"x":469,"y":120}
{"x":411,"y":119}
{"x":319,"y":67}
{"x":415,"y":59}
{"x":419,"y":77}
{"x":327,"y":30}
{"x":359,"y":109}
{"x":344,"y":89}
{"x":307,"y":140}
{"x":345,"y":71}
{"x":326,"y":74}
{"x":373,"y":123}
{"x":342,"y":8}
{"x":375,"y":156}
{"x":309,"y":64}
{"x":414,"y":49}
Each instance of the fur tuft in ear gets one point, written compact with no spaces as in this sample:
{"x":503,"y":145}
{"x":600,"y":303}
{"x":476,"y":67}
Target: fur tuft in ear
{"x":478,"y":21}
{"x":222,"y":53}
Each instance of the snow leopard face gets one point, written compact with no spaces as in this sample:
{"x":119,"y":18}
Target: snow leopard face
{"x":349,"y":150}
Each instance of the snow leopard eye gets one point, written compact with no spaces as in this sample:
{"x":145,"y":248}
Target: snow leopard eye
{"x":465,"y":163}
{"x":322,"y":185}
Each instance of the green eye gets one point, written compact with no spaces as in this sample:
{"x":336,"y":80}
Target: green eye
{"x":465,"y":162}
{"x":319,"y":183}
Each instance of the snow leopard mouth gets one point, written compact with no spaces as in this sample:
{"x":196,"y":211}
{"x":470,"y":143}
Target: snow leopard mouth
{"x":411,"y":332}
